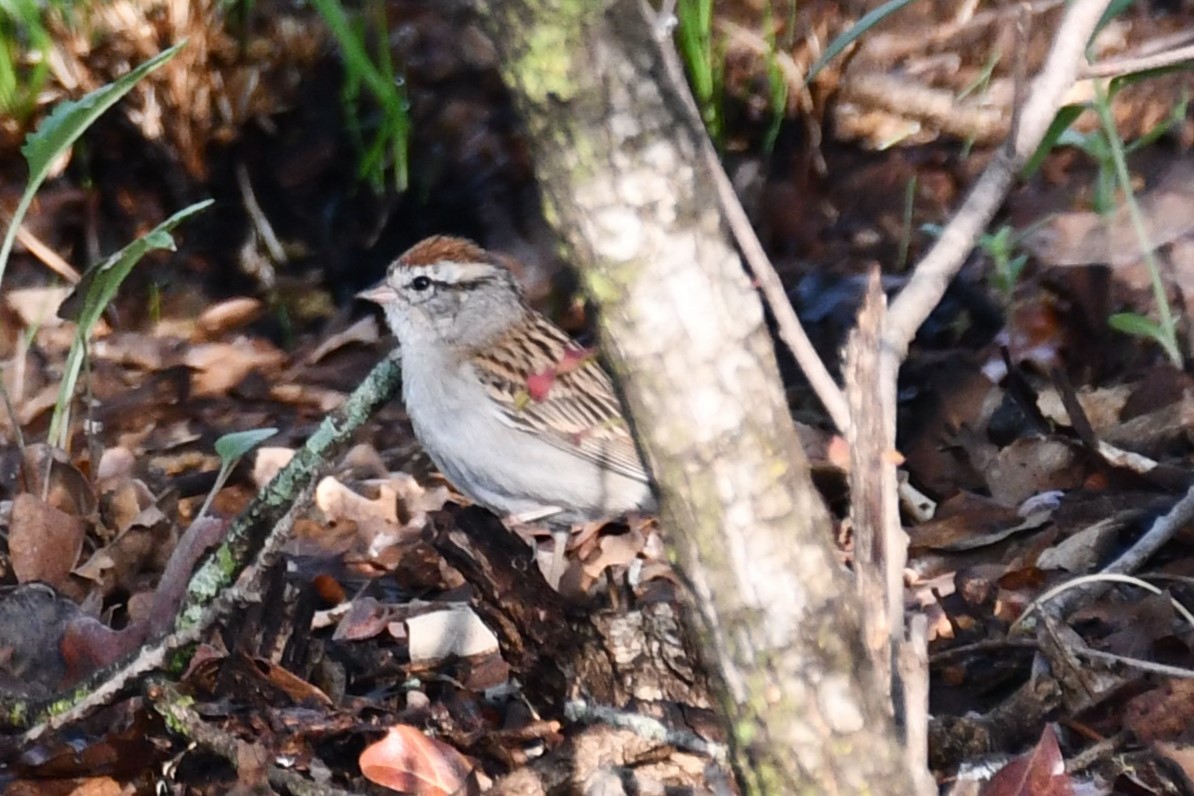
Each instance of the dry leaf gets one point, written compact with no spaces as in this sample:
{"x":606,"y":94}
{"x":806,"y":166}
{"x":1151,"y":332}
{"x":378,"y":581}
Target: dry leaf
{"x":339,"y":503}
{"x":222,"y":366}
{"x":68,"y":490}
{"x":364,"y":331}
{"x":1032,"y":465}
{"x":1163,"y":714}
{"x":1040,"y":772}
{"x":233,"y":313}
{"x":267,"y":463}
{"x":454,"y":632}
{"x":1081,"y":238}
{"x":364,"y":618}
{"x":37,"y":306}
{"x":44,"y":542}
{"x":407,"y":760}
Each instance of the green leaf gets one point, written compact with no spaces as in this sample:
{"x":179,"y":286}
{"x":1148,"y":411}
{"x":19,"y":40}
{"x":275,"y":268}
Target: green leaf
{"x":694,"y":40}
{"x":231,"y":447}
{"x":62,"y":128}
{"x":1061,"y":123}
{"x":1136,"y":324}
{"x":93,"y":293}
{"x":101,"y":281}
{"x":776,"y":82}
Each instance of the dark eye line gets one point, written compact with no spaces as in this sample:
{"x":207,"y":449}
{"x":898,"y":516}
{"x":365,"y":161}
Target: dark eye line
{"x":422,"y":282}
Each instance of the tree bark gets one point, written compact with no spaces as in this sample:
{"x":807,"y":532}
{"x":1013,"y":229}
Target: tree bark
{"x":621,"y":158}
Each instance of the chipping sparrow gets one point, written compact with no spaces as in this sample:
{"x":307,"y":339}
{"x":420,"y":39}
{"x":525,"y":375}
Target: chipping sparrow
{"x":519,"y":417}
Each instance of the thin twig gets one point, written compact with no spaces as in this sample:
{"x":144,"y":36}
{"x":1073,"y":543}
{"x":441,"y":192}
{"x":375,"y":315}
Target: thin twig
{"x":936,"y":108}
{"x":260,"y":222}
{"x":211,"y":588}
{"x":879,"y":548}
{"x":157,"y":655}
{"x":912,"y":663}
{"x":897,"y":47}
{"x":793,"y":73}
{"x":983,"y":649}
{"x":1141,"y":63}
{"x":1019,"y":68}
{"x":790,"y":329}
{"x":1092,"y":755}
{"x":50,"y":258}
{"x":933,"y":274}
{"x":1135,"y":663}
{"x":1071,"y":591}
{"x":1163,"y":529}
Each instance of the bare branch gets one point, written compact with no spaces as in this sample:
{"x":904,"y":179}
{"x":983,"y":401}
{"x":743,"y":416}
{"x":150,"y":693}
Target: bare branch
{"x":933,"y":274}
{"x":1141,"y":63}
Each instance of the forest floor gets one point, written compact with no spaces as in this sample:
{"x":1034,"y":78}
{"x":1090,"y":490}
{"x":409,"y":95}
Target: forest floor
{"x":1043,"y":440}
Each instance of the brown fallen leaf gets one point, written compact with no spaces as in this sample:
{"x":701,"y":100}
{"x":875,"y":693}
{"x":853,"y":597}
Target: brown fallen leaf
{"x":222,"y":366}
{"x":67,"y":490}
{"x":37,"y":306}
{"x":43,"y":541}
{"x":267,"y":462}
{"x":1162,"y":714}
{"x":1039,"y":772}
{"x":1081,"y":238}
{"x":406,"y":760}
{"x":223,"y":317}
{"x":365,"y":331}
{"x":1029,"y":466}
{"x":1180,"y":755}
{"x":366,"y":617}
{"x":290,"y":684}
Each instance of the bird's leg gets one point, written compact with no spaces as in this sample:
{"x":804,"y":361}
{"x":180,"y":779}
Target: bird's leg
{"x":559,"y":536}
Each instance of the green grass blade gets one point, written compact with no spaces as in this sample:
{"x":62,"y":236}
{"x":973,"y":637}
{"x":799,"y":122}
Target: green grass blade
{"x":396,"y":126}
{"x":1114,"y":9}
{"x":93,"y":293}
{"x":855,"y":32}
{"x":1066,"y":116}
{"x":61,"y":129}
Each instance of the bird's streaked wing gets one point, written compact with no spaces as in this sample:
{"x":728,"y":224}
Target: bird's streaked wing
{"x":546,"y":384}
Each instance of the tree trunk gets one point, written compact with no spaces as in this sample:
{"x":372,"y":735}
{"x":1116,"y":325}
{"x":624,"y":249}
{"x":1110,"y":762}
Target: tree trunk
{"x":622,"y":160}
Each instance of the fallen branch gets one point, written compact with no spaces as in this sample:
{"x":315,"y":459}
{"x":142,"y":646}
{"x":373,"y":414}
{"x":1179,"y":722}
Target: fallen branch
{"x":254,"y":538}
{"x":1163,"y":529}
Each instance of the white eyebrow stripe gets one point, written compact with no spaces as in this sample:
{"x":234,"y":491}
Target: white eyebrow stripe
{"x":451,"y":272}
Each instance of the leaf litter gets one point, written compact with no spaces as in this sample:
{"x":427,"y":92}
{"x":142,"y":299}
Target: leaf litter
{"x":370,"y":628}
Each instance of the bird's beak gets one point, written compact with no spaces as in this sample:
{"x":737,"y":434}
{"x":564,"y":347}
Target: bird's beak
{"x":381,"y":293}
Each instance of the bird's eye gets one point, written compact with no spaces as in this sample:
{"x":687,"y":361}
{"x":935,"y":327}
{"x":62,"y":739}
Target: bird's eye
{"x":420,"y":283}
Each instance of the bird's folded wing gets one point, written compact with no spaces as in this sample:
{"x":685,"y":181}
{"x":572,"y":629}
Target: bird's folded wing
{"x":554,"y":388}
